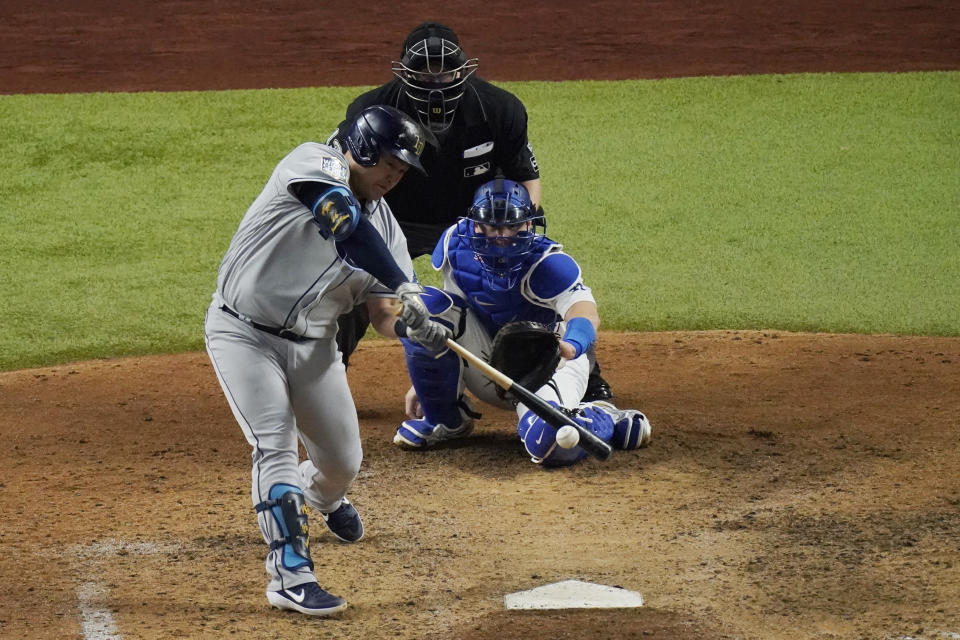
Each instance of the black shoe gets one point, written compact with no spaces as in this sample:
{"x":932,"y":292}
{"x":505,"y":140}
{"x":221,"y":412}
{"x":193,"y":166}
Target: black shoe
{"x":345,"y":522}
{"x":597,"y":388}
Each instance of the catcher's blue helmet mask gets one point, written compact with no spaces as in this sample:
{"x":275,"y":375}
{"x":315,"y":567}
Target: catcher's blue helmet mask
{"x":384,"y":129}
{"x":504,"y":228}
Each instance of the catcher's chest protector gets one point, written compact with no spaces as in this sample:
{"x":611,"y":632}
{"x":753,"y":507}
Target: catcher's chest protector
{"x":493,"y":305}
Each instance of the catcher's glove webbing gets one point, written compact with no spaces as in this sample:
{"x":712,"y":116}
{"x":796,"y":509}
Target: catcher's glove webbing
{"x":527,"y":352}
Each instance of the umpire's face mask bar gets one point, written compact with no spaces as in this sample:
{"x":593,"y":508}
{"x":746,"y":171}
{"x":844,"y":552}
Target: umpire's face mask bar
{"x":434,"y":72}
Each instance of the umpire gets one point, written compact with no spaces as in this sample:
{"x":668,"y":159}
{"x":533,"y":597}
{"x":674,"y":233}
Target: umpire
{"x":481,"y":133}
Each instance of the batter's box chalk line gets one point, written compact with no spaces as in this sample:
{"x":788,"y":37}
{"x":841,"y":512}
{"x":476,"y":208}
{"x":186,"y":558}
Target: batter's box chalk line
{"x":109,"y":547}
{"x":573,"y":594}
{"x":96,"y":618}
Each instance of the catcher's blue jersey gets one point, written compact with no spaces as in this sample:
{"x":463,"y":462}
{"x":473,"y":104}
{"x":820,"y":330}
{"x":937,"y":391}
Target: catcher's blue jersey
{"x":546,"y":276}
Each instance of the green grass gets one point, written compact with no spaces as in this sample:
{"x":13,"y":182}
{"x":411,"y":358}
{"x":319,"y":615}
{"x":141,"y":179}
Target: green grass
{"x":805,"y":202}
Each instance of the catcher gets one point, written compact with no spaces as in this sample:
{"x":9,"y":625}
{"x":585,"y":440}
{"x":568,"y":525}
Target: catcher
{"x":512,"y":295}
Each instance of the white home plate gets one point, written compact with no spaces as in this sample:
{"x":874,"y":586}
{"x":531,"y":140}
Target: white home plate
{"x":573,"y":594}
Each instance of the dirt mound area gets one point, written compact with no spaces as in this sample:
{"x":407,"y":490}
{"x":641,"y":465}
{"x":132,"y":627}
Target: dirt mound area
{"x":797,"y":486}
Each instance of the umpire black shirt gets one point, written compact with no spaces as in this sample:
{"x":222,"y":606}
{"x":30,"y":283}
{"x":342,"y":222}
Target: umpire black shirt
{"x":488,"y":138}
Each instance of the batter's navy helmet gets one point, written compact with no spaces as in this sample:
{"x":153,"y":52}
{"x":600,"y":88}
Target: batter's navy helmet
{"x":383,"y":129}
{"x":434,"y":69}
{"x":505,"y":205}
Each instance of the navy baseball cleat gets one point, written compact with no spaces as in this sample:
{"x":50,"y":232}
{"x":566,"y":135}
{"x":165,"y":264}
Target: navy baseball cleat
{"x":307,"y":598}
{"x":345,"y":522}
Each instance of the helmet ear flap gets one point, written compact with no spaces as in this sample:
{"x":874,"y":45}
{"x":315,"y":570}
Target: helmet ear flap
{"x":362,"y":143}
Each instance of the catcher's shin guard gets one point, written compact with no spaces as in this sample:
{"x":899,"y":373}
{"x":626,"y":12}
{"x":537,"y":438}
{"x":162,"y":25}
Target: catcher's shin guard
{"x":540,"y":438}
{"x":289,"y":511}
{"x":437,"y":383}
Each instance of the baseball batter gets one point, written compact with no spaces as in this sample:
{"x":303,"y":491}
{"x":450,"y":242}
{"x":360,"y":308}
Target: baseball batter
{"x":318,"y":240}
{"x":499,"y":268}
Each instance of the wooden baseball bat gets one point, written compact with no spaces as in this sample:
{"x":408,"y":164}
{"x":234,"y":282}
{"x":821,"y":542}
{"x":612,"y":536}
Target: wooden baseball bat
{"x":589,"y":441}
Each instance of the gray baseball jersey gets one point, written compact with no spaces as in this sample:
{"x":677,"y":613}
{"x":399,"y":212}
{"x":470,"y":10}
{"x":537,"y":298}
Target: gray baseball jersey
{"x":280,"y":272}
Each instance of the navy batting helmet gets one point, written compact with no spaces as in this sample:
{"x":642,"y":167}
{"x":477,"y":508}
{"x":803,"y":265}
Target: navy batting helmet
{"x":383,"y":129}
{"x":505,"y":228}
{"x":434,"y":69}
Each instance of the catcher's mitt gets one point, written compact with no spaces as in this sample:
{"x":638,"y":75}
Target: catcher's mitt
{"x":528,"y":352}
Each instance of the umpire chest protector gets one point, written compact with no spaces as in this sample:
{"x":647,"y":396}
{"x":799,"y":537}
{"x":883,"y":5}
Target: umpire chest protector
{"x":488,"y":133}
{"x":491,"y":301}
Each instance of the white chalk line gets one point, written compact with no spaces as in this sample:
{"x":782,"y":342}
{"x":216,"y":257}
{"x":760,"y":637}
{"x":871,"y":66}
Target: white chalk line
{"x":96,"y":618}
{"x":96,"y":621}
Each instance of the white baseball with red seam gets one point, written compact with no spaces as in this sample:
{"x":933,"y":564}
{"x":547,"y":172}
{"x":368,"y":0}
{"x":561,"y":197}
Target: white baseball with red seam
{"x":568,"y":437}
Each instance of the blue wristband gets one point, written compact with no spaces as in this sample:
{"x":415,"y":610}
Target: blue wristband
{"x":581,"y":334}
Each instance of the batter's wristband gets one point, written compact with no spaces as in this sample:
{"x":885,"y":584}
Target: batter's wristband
{"x":581,"y":334}
{"x":400,"y":328}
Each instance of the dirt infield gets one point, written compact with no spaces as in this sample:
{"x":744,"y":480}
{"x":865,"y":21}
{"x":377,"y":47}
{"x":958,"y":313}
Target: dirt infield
{"x":799,"y":486}
{"x":97,"y":45}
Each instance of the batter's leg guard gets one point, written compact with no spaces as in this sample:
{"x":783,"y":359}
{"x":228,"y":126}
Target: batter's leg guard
{"x":437,"y":381}
{"x":288,"y":509}
{"x":540,"y":438}
{"x":631,"y":428}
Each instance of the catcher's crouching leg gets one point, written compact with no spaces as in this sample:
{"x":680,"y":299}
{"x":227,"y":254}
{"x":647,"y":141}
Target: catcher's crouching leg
{"x":446,"y":412}
{"x":540,"y":438}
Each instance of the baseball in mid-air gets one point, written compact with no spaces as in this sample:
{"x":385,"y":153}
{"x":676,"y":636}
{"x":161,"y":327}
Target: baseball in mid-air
{"x":568,"y":437}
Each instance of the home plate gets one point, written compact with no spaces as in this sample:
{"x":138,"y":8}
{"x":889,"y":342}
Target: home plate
{"x":573,"y":594}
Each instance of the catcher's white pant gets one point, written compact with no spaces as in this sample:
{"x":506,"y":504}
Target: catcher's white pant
{"x":570,"y":378}
{"x":279,"y":391}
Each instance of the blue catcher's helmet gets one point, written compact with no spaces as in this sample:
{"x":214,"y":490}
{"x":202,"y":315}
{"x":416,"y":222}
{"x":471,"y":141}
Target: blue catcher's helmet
{"x":504,"y":228}
{"x":383,"y":129}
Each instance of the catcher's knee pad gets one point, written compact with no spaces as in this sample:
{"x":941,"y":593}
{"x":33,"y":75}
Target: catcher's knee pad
{"x":436,"y":381}
{"x":289,"y":511}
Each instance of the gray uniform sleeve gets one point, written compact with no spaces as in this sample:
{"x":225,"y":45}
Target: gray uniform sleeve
{"x":312,"y":161}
